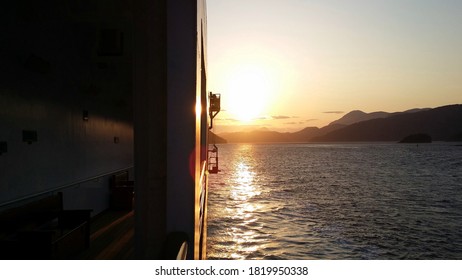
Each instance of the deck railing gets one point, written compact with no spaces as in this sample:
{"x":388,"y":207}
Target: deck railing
{"x":203,"y":210}
{"x":203,"y":196}
{"x":60,"y":188}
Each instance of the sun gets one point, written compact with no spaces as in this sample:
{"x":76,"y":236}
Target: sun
{"x":248,"y":91}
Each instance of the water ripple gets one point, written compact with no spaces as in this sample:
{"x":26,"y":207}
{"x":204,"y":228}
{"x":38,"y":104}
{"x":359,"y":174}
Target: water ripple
{"x":336,"y":201}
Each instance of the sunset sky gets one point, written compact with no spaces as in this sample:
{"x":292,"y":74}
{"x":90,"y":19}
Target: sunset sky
{"x":289,"y":64}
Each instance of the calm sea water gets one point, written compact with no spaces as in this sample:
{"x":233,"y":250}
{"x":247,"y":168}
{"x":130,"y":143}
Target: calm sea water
{"x":336,"y":201}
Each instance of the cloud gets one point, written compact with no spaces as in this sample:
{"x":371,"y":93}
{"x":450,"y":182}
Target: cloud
{"x":290,"y":123}
{"x":311,"y":120}
{"x":228,"y":119}
{"x":334,"y":112}
{"x":280,"y":117}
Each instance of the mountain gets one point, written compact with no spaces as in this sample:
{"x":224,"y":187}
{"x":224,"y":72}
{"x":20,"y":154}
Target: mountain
{"x":215,"y":139}
{"x":359,"y":116}
{"x":308,"y":133}
{"x":256,"y":136}
{"x":442,"y":124}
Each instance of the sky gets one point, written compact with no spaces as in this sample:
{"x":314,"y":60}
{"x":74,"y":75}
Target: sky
{"x":290,"y":64}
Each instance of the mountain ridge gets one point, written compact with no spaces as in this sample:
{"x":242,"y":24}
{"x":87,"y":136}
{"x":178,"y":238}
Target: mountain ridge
{"x":442,"y":123}
{"x":359,"y":116}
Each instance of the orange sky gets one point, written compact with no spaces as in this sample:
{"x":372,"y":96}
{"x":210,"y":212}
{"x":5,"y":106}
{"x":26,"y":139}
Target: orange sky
{"x":286,"y":65}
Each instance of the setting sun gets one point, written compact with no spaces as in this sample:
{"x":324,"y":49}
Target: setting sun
{"x":306,"y":59}
{"x":248,"y":92}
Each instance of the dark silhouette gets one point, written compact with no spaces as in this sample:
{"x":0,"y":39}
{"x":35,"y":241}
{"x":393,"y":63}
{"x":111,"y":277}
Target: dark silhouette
{"x":417,"y":138}
{"x":442,"y":123}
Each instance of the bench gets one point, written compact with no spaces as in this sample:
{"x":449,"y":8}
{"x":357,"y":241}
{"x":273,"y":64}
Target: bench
{"x":41,"y":229}
{"x":121,"y":192}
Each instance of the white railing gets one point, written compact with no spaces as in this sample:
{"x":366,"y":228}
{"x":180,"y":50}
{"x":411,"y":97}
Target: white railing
{"x":202,"y":196}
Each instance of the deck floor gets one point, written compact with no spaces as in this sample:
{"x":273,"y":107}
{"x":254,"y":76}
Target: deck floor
{"x":111,"y":237}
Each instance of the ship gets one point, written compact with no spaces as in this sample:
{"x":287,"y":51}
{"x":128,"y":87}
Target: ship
{"x":104,"y":104}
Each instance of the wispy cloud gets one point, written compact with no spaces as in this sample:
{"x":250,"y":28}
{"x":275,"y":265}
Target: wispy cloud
{"x":228,"y":119}
{"x":334,"y":112}
{"x":311,"y":120}
{"x":280,"y":117}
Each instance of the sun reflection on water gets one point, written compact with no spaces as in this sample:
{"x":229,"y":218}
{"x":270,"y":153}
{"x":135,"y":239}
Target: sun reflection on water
{"x":244,"y":183}
{"x":240,"y":204}
{"x":243,"y":189}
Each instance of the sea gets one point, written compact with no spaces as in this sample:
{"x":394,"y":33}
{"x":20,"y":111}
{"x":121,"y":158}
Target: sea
{"x":348,"y":201}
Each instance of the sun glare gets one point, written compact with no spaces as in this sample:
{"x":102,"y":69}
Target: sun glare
{"x":248,"y":92}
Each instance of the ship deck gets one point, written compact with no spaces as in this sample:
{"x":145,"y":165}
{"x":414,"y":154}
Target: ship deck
{"x":111,"y":237}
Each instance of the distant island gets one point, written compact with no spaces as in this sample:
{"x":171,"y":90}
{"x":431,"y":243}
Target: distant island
{"x":417,"y":138}
{"x":440,"y":124}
